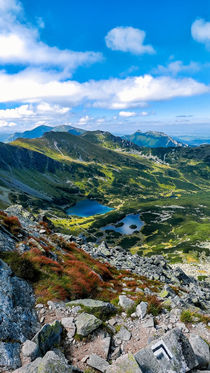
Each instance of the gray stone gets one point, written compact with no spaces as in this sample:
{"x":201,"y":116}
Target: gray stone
{"x":149,"y":322}
{"x":52,"y":362}
{"x":9,"y":355}
{"x":123,"y":334}
{"x":49,"y":336}
{"x":93,"y":306}
{"x":104,"y":250}
{"x":141,"y":309}
{"x":86,"y":323}
{"x":171,"y":353}
{"x":201,"y":350}
{"x":125,"y":302}
{"x":97,"y":362}
{"x":106,"y":342}
{"x":69,"y":325}
{"x":124,"y":364}
{"x":30,"y":349}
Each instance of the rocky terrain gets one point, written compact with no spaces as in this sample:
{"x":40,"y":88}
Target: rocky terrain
{"x":138,"y":314}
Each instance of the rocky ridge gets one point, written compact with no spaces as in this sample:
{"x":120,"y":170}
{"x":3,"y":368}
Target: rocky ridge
{"x":57,"y":336}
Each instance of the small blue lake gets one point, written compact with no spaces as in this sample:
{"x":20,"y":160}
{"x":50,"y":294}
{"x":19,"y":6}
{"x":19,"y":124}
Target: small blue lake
{"x":88,"y":207}
{"x":127,"y":225}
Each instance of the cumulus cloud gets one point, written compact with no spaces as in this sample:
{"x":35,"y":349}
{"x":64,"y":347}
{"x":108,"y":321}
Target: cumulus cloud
{"x":30,"y":113}
{"x":16,"y":113}
{"x":112,"y":93}
{"x":128,"y":39}
{"x":84,"y":120}
{"x":127,"y":114}
{"x":177,"y":67}
{"x":45,"y":107}
{"x":200,"y":31}
{"x":20,"y":44}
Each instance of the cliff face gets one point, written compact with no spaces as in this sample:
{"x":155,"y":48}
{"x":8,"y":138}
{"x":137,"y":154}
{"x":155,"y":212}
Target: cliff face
{"x":19,"y":158}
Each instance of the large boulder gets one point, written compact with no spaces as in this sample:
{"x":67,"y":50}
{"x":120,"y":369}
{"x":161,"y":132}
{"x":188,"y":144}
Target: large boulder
{"x":124,"y":364}
{"x":201,"y":350}
{"x":18,"y":318}
{"x":9,"y":356}
{"x":171,"y":353}
{"x":86,"y":324}
{"x":49,"y":336}
{"x":96,"y":307}
{"x":52,"y":362}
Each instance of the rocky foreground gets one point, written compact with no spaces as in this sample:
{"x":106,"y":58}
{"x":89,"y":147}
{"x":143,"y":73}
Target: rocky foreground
{"x":155,"y":318}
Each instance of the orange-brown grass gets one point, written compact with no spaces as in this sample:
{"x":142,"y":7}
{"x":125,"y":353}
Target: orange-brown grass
{"x":11,"y":223}
{"x":66,"y":272}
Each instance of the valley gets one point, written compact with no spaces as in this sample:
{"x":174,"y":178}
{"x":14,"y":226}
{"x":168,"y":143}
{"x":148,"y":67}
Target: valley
{"x":168,"y":187}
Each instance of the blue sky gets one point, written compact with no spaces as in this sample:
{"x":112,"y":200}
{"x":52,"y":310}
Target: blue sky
{"x":109,"y":65}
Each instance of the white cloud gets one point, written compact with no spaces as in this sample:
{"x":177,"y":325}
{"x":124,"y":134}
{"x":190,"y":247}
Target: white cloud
{"x":34,"y":87}
{"x":20,"y":44}
{"x":177,"y":67}
{"x":4,"y":123}
{"x":100,"y":120}
{"x":84,"y":120}
{"x":127,"y":114}
{"x":16,"y":113}
{"x":44,"y":107}
{"x":200,"y":31}
{"x":9,"y":6}
{"x":128,"y":39}
{"x":144,"y":113}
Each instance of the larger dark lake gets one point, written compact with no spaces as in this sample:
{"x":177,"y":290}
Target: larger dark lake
{"x":88,"y":208}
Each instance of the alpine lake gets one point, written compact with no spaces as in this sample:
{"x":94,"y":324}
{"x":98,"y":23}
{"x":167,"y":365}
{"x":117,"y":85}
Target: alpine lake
{"x":87,"y":208}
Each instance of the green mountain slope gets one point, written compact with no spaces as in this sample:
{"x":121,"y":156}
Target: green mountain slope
{"x":153,"y":139}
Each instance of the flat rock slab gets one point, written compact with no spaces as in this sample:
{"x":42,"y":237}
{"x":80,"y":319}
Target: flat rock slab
{"x":86,"y":324}
{"x":98,"y":363}
{"x":124,"y":364}
{"x":171,"y":353}
{"x":93,"y":306}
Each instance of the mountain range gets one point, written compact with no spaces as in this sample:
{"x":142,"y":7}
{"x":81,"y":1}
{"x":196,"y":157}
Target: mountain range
{"x":144,"y":139}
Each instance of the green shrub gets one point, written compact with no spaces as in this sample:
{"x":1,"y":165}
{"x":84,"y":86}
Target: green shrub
{"x":21,"y":266}
{"x":186,"y":316}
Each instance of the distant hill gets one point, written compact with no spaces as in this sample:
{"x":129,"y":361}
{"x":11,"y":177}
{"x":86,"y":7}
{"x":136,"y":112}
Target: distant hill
{"x":107,"y":140}
{"x":152,"y":139}
{"x":41,"y":130}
